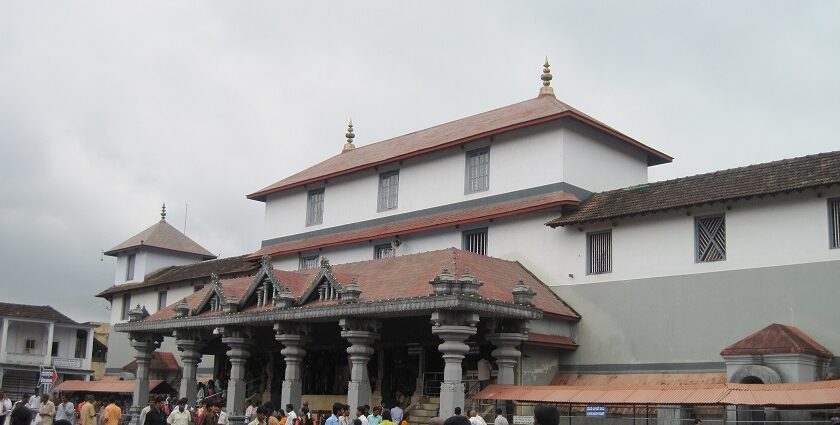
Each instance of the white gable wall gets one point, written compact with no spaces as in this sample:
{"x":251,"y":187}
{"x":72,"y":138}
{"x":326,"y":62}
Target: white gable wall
{"x":148,"y":260}
{"x":521,"y":159}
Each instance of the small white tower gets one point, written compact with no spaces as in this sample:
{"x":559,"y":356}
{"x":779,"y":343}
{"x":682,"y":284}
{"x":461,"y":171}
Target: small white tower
{"x":160,"y":245}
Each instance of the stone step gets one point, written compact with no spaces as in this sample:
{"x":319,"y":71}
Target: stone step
{"x":423,"y":412}
{"x":428,"y":406}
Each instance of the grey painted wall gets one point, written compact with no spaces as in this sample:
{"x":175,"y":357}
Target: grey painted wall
{"x":683,"y":322}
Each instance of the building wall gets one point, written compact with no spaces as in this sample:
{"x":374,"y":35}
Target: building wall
{"x":148,"y":260}
{"x":438,"y":178}
{"x":655,"y":323}
{"x":20,"y":331}
{"x":120,"y":352}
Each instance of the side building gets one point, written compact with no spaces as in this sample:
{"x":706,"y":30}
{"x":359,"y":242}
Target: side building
{"x":32,"y":336}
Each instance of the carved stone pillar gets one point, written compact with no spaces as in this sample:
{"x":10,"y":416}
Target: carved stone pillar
{"x":361,"y":333}
{"x":507,"y":336}
{"x":189,"y":344}
{"x":453,"y":328}
{"x":237,"y":340}
{"x":294,"y":337}
{"x":144,"y":345}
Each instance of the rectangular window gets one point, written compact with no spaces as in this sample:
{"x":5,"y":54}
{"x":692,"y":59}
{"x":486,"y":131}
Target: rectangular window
{"x":710,"y":237}
{"x":599,"y":252}
{"x":475,"y":241}
{"x":385,"y":250}
{"x":834,"y":222}
{"x":129,"y":268}
{"x":81,"y":343}
{"x":30,"y":346}
{"x":309,"y":262}
{"x":54,"y":352}
{"x":478,"y":170}
{"x":126,"y":305}
{"x":389,"y":185}
{"x":161,"y":300}
{"x":315,"y":207}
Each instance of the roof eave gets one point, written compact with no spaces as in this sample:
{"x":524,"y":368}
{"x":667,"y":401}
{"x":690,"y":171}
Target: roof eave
{"x":654,"y":157}
{"x":258,"y":255}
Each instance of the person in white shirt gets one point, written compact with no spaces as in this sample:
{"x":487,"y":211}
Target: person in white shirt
{"x":360,"y":414}
{"x":5,"y":407}
{"x":180,"y":415}
{"x":290,"y":414}
{"x":396,"y":414}
{"x":484,"y":368}
{"x":65,"y":410}
{"x":475,"y":419}
{"x":146,"y":410}
{"x":500,"y":418}
{"x":223,"y":418}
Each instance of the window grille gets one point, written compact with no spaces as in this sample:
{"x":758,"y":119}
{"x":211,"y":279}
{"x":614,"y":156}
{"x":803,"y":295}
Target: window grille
{"x":126,"y":305}
{"x":710,"y":235}
{"x":315,"y":207}
{"x":478,"y":170}
{"x":389,"y":186}
{"x":161,"y":300}
{"x":599,"y":252}
{"x":475,"y":241}
{"x":30,"y":346}
{"x":834,"y":221}
{"x":129,"y":268}
{"x":309,"y":262}
{"x":385,"y":250}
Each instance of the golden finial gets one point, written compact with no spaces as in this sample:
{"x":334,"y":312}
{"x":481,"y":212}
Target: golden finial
{"x":350,"y":136}
{"x":546,"y":79}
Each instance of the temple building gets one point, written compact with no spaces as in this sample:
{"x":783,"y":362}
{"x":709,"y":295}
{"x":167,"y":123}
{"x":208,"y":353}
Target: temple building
{"x":529,"y":236}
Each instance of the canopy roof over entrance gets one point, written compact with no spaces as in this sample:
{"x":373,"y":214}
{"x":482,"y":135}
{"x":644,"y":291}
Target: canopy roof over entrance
{"x":821,"y":393}
{"x":418,"y":284}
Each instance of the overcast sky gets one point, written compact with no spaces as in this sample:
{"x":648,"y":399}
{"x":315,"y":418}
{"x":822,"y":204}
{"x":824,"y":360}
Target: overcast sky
{"x":108,"y":109}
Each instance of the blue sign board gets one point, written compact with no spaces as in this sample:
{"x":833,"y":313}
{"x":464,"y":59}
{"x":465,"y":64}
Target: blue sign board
{"x":596,"y":411}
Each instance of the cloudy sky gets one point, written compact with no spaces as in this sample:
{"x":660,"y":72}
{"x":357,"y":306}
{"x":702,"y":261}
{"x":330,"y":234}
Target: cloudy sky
{"x":108,"y":109}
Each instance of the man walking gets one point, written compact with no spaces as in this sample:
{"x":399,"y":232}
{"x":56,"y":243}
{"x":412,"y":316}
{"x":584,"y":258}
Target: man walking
{"x":156,"y":415}
{"x":500,"y":418}
{"x":5,"y":407}
{"x":88,"y":413}
{"x":21,"y":415}
{"x":65,"y":410}
{"x":46,"y":410}
{"x":180,"y":415}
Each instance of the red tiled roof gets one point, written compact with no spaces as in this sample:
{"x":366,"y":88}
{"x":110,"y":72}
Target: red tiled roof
{"x":777,"y":339}
{"x":820,"y":393}
{"x":546,"y":340}
{"x":420,"y":224}
{"x":161,"y":360}
{"x":759,"y":180}
{"x":523,"y":114}
{"x":40,"y":312}
{"x":401,"y":277}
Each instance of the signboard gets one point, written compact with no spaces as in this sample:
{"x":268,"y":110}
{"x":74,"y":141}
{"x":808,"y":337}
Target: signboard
{"x":596,"y":411}
{"x":48,"y":376}
{"x":68,"y":363}
{"x":523,"y":420}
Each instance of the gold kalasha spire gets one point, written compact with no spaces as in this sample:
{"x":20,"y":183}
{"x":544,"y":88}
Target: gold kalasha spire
{"x":349,"y":146}
{"x":546,"y":88}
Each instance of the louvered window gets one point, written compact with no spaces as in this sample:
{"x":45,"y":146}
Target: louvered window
{"x":309,"y":262}
{"x":315,"y":207}
{"x":129,"y":268}
{"x":385,"y":250}
{"x":710,"y":235}
{"x":478,"y":170}
{"x":475,"y":241}
{"x":161,"y":300}
{"x":834,"y":221}
{"x":389,"y":186}
{"x":599,"y":250}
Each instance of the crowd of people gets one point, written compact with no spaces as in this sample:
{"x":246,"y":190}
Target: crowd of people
{"x":45,"y":410}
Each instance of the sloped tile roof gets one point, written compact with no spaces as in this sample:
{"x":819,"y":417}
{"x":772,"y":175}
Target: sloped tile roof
{"x":161,"y":360}
{"x":530,"y":112}
{"x":777,"y":339}
{"x":162,"y":235}
{"x":40,"y":312}
{"x":401,"y":277}
{"x":770,"y":178}
{"x":224,"y":267}
{"x":425,"y":223}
